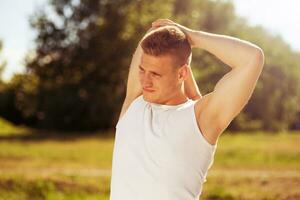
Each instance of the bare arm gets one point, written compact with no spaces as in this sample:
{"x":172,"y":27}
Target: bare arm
{"x":191,"y":89}
{"x":134,"y":88}
{"x":234,"y":52}
{"x":234,"y":89}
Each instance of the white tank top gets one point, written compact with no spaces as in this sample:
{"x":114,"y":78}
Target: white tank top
{"x":159,"y":153}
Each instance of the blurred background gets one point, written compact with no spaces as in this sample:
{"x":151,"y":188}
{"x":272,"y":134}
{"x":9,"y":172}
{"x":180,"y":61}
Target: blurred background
{"x":64,"y":67}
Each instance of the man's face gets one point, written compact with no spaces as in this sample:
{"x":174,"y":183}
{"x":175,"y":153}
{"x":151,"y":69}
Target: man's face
{"x":159,"y":79}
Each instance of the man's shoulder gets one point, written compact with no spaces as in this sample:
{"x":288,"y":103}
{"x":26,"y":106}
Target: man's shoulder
{"x":201,"y":103}
{"x":205,"y":119}
{"x":128,"y":102}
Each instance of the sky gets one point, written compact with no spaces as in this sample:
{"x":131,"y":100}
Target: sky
{"x":277,"y":16}
{"x":16,"y":33}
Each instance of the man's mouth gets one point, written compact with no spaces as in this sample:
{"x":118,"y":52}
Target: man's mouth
{"x":148,"y":90}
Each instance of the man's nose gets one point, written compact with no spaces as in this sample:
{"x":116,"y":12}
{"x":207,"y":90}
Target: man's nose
{"x":147,"y":81}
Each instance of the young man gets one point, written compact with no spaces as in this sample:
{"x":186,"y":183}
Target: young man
{"x":167,"y":132}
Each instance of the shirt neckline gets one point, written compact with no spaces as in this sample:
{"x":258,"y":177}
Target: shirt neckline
{"x":167,"y":107}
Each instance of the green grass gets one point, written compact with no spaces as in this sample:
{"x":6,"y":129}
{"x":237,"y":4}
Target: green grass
{"x":259,"y":150}
{"x":7,"y":128}
{"x":93,"y":152}
{"x":52,"y":166}
{"x":53,"y":188}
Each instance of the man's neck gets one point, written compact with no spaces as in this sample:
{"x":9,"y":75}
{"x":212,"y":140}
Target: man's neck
{"x":177,"y":99}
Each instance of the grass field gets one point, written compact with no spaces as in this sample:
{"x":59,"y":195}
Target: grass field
{"x":37,"y":166}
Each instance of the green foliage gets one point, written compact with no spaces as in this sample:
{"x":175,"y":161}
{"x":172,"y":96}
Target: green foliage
{"x":8,"y":128}
{"x":276,"y":98}
{"x":14,"y":95}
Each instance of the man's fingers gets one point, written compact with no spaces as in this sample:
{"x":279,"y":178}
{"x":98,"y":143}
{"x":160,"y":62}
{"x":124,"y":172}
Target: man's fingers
{"x":157,"y":25}
{"x":162,"y":22}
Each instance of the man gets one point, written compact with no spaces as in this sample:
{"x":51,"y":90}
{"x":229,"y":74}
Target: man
{"x":167,"y":132}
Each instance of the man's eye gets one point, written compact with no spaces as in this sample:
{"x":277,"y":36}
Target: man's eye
{"x":156,"y":75}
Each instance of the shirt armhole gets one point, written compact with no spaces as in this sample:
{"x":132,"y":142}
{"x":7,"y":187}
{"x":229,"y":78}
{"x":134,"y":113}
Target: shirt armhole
{"x":198,"y":131}
{"x":128,"y":109}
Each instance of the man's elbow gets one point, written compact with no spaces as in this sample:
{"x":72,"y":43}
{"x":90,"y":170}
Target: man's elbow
{"x":259,"y":57}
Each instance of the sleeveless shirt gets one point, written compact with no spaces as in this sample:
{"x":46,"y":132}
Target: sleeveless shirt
{"x":159,"y":153}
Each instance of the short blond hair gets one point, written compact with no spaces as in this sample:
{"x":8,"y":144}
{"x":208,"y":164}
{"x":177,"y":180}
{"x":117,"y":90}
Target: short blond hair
{"x":168,"y":40}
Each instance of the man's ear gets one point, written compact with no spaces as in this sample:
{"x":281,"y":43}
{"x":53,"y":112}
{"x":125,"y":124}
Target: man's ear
{"x":183,"y":72}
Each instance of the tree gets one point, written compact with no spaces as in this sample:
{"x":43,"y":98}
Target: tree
{"x":81,"y":60}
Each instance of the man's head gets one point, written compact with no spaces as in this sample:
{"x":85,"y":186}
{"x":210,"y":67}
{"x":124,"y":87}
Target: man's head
{"x":166,"y":56}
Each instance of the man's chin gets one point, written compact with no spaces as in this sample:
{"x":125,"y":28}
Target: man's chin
{"x":149,"y":98}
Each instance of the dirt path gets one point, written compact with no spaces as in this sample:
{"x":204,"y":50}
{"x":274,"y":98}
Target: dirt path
{"x":96,"y":172}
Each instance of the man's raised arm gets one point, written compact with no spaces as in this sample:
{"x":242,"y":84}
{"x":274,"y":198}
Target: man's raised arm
{"x":133,"y":88}
{"x":191,"y":88}
{"x":234,"y":89}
